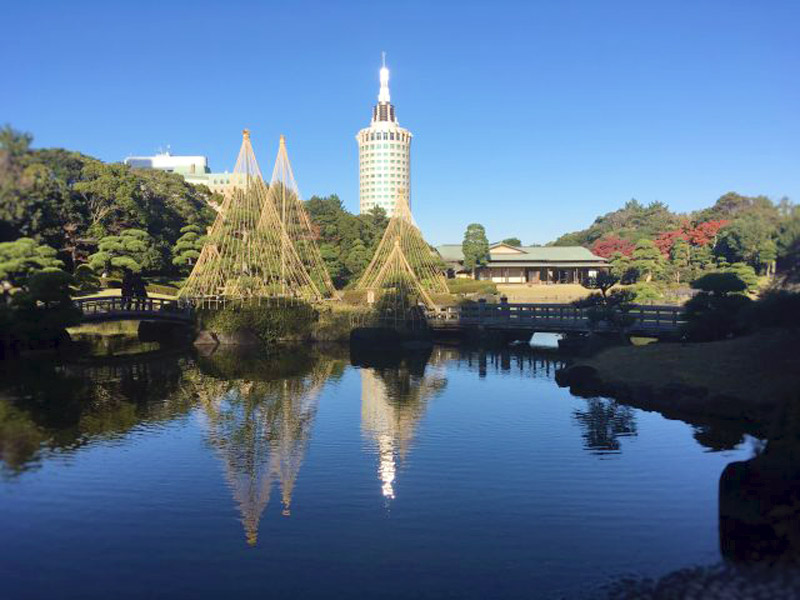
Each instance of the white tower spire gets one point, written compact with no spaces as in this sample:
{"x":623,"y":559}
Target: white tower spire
{"x":383,"y":95}
{"x":384,"y":154}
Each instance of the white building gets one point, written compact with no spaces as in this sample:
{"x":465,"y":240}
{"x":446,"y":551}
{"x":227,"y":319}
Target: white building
{"x":170,"y":163}
{"x":384,"y":155}
{"x":194,"y":169}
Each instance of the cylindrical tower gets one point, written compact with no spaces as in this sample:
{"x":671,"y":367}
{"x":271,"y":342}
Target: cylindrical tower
{"x":384,"y":155}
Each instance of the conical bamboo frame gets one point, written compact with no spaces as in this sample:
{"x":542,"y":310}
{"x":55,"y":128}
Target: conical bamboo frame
{"x":285,"y":199}
{"x":419,"y":257}
{"x":248,"y":254}
{"x":399,"y":292}
{"x":246,"y":169}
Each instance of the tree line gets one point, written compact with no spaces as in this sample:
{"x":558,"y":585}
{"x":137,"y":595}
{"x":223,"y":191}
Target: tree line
{"x":649,"y":244}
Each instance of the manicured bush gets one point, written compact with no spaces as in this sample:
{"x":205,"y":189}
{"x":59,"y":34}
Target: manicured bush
{"x":714,"y":313}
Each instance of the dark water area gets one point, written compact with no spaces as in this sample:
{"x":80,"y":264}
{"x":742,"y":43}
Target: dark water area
{"x":308,"y":472}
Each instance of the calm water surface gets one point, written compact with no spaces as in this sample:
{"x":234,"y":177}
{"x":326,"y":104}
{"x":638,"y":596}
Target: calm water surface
{"x":315,"y":474}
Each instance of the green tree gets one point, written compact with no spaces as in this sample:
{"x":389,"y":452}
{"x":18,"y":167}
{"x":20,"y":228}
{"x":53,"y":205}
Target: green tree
{"x":357,"y":258}
{"x":187,"y":249}
{"x":129,"y":251}
{"x":602,"y":282}
{"x":745,"y":273}
{"x":632,"y":222}
{"x":611,"y":308}
{"x":714,"y":313}
{"x":475,"y":247}
{"x":512,"y":241}
{"x":22,"y":258}
{"x":647,"y":260}
{"x":767,"y":256}
{"x":342,"y":234}
{"x":680,"y":256}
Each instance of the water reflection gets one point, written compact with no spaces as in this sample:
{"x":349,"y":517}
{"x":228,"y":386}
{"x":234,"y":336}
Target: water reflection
{"x":257,"y":413}
{"x":394,"y":397}
{"x":603,"y":423}
{"x":47,"y":408}
{"x":259,"y":418}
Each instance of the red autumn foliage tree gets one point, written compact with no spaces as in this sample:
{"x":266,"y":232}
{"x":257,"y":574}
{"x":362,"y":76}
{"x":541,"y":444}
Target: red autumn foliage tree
{"x":611,"y":244}
{"x":666,"y":240}
{"x":705,"y":233}
{"x":698,"y":235}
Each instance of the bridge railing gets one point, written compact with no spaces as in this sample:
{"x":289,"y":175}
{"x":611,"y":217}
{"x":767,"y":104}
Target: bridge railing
{"x":107,"y":305}
{"x":555,"y":316}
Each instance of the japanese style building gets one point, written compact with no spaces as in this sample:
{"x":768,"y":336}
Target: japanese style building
{"x":527,"y":264}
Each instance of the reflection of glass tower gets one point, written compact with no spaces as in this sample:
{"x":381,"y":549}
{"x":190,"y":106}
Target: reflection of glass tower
{"x":261,"y":431}
{"x":384,"y":155}
{"x":392,"y":404}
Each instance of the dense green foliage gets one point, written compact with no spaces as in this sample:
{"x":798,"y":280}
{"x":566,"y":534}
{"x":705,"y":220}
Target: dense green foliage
{"x":131,"y":250}
{"x":346,"y":241}
{"x":512,"y":241}
{"x":632,"y":222}
{"x":187,"y":249}
{"x":22,"y":258}
{"x":713,"y":314}
{"x":749,"y":235}
{"x":269,"y":321}
{"x":70,"y":201}
{"x":475,"y":246}
{"x":35,"y":304}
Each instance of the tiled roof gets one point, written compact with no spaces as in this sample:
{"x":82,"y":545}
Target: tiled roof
{"x":555,"y":254}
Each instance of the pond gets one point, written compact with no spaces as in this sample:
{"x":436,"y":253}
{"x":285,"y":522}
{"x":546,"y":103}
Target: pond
{"x":308,"y":472}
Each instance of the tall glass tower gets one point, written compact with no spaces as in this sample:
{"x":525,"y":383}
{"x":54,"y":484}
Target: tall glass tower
{"x":384,"y":155}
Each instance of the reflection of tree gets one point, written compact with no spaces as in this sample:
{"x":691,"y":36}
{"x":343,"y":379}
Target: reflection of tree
{"x":261,"y":428}
{"x":393,"y":400}
{"x":603,"y":423}
{"x":45,"y":407}
{"x":718,"y":437}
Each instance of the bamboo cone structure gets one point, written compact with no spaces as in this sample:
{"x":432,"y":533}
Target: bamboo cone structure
{"x":248,"y":253}
{"x":403,"y":261}
{"x":284,"y":195}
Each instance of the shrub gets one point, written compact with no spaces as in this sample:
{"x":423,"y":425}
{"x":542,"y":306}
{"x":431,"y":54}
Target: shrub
{"x":775,"y":308}
{"x":714,"y":313}
{"x":646,"y":293}
{"x":746,"y":274}
{"x":270,"y":321}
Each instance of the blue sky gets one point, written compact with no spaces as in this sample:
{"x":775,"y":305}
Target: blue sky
{"x":529,"y":117}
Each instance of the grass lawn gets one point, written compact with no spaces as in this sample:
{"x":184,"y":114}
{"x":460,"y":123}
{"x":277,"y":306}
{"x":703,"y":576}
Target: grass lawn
{"x":555,"y":294}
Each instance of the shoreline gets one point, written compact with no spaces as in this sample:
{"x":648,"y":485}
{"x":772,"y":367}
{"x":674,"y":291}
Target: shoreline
{"x":746,"y":382}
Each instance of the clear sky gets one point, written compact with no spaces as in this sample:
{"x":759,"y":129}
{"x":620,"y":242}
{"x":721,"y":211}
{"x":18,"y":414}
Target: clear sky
{"x":529,"y":117}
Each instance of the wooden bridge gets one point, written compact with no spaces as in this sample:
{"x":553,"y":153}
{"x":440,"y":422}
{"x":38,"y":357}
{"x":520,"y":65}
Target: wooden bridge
{"x":647,"y":321}
{"x":116,"y":308}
